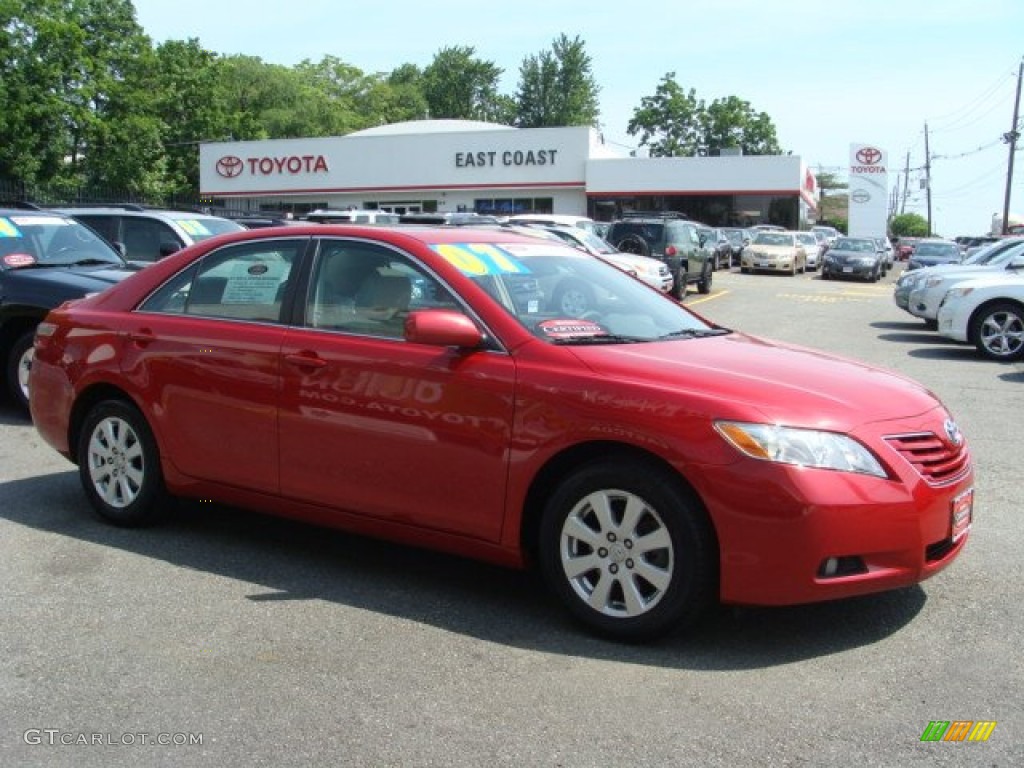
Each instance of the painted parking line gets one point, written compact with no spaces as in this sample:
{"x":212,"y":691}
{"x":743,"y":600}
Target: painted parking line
{"x":709,"y":297}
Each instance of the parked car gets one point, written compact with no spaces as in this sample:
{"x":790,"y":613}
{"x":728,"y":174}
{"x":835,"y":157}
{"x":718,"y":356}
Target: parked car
{"x":668,"y":238}
{"x":448,"y":219}
{"x":557,"y":219}
{"x":653,"y":272}
{"x":996,"y":252}
{"x":144,"y":235}
{"x":831,"y":234}
{"x":813,"y":247}
{"x":650,"y":463}
{"x":351,"y":216}
{"x":46,"y":258}
{"x":928,"y":293}
{"x":718,"y":246}
{"x":933,"y":251}
{"x":774,"y":251}
{"x":739,"y":238}
{"x":888,"y":254}
{"x":988,"y":312}
{"x":853,"y":257}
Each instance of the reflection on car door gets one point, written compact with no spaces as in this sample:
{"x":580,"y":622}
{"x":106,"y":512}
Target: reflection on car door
{"x":373,"y":424}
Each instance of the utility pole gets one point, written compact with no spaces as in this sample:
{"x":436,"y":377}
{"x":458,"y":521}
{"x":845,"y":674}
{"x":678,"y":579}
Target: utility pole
{"x":928,"y":177}
{"x":1011,"y":139}
{"x":906,"y":185}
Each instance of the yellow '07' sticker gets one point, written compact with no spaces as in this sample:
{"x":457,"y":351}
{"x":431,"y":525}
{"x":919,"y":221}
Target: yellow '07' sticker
{"x":477,"y":259}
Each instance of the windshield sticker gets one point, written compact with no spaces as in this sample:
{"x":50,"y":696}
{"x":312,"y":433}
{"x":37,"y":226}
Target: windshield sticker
{"x":40,"y":221}
{"x":19,"y":259}
{"x":478,"y":259}
{"x":7,"y":229}
{"x":570,"y":328}
{"x":254,"y":283}
{"x":194,"y":227}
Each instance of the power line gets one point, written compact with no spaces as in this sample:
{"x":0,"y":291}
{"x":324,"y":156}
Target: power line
{"x":969,"y":108}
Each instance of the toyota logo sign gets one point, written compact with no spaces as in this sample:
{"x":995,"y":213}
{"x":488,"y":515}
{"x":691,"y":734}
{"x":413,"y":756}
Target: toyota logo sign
{"x":230,"y":166}
{"x":869,"y":156}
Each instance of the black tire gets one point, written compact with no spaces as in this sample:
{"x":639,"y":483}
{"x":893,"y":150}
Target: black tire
{"x":573,"y":298}
{"x":119,"y":465}
{"x":633,"y":591}
{"x":704,"y":284}
{"x":997,"y":330}
{"x":634,"y":244}
{"x":678,"y":290}
{"x":930,"y":324}
{"x":19,"y":362}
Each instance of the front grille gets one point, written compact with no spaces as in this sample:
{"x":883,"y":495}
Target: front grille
{"x":935,"y":460}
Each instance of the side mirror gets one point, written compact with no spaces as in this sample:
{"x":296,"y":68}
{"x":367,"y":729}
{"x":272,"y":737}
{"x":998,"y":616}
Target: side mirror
{"x":442,"y":328}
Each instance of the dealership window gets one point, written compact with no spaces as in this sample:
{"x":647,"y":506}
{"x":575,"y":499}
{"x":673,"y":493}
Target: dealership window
{"x":507,"y":206}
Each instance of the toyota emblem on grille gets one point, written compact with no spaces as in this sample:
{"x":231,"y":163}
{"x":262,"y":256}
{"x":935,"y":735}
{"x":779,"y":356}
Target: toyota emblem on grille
{"x":956,"y":437}
{"x":869,"y":155}
{"x":230,"y":166}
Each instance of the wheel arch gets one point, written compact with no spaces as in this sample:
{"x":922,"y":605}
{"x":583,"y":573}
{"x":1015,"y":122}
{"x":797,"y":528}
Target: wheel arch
{"x":984,"y":306}
{"x":572,"y":458}
{"x":84,"y":403}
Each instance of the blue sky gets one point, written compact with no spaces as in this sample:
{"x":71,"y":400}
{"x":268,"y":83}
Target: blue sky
{"x":828,"y":73}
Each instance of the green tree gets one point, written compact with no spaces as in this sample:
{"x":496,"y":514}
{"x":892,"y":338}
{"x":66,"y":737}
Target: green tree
{"x":557,"y":87}
{"x":676,"y":122}
{"x":459,"y":86}
{"x":908,"y":225}
{"x":669,"y":122}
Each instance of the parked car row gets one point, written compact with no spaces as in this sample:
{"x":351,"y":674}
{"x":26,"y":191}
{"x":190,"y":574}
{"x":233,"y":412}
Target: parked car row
{"x":979,"y":300}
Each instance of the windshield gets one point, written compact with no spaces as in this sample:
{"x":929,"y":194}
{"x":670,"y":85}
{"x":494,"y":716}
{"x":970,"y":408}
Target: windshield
{"x":42,"y":240}
{"x":594,"y":243}
{"x":202,"y":229}
{"x":808,"y":239}
{"x":773,"y":238}
{"x":851,"y":244}
{"x":995,"y":253}
{"x":564,"y":296}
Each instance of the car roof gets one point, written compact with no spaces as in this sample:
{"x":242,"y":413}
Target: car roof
{"x":115,"y":210}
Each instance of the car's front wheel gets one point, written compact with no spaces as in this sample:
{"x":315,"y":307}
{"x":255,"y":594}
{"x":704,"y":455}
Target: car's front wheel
{"x":704,"y":284}
{"x":19,"y":364}
{"x":997,"y":330}
{"x":628,"y":550}
{"x":119,"y":465}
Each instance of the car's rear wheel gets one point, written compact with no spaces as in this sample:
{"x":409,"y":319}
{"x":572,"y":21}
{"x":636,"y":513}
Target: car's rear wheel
{"x":628,"y":550}
{"x":997,"y":330}
{"x":119,"y":465}
{"x":19,"y":364}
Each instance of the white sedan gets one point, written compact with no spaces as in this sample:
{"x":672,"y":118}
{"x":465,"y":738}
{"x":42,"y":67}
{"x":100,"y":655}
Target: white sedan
{"x":989,"y":313}
{"x":928,"y":293}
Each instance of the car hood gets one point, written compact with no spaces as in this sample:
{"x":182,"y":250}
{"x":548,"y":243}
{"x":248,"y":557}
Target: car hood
{"x":844,"y":256}
{"x":961,"y":274}
{"x":773,"y":250}
{"x":738,"y":374}
{"x":931,"y":261}
{"x":69,"y":282}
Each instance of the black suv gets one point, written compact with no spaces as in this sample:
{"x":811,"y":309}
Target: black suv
{"x":670,"y":238}
{"x":45,"y":259}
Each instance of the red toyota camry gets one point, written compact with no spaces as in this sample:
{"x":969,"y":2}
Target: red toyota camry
{"x":504,"y":398}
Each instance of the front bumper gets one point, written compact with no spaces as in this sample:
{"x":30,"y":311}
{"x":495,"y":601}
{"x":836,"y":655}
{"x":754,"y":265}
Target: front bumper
{"x":780,"y":526}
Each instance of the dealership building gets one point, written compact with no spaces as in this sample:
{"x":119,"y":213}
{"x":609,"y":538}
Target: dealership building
{"x":456,"y":165}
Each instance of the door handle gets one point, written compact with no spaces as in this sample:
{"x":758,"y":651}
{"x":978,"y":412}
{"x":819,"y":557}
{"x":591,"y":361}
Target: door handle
{"x":142,"y":336}
{"x":306,"y":361}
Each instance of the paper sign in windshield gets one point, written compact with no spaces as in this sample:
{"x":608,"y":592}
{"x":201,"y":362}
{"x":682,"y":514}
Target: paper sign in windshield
{"x":478,"y":259}
{"x":19,"y":259}
{"x":194,"y":228}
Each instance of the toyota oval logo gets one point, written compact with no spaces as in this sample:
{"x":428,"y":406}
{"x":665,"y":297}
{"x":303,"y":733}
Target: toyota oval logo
{"x":869,"y":156}
{"x":860,"y":196}
{"x":953,"y":432}
{"x":230,"y":166}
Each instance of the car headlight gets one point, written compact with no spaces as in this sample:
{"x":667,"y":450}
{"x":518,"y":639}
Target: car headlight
{"x":800,"y":447}
{"x":957,"y":293}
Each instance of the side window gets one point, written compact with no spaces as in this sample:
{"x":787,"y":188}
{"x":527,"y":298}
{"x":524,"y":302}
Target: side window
{"x":367,"y":289}
{"x":104,"y":226}
{"x":143,"y":239}
{"x":240,"y":282}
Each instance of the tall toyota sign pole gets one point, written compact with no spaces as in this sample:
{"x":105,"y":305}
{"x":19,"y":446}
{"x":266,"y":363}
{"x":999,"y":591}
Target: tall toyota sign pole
{"x":869,"y":191}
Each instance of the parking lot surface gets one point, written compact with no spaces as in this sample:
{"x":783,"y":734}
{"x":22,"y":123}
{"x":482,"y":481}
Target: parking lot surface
{"x":241,"y":640}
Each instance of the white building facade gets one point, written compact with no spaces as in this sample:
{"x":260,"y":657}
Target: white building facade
{"x":447,"y":165}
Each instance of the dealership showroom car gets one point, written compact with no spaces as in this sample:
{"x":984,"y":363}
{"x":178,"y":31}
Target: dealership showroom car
{"x":988,"y":312}
{"x":853,"y":257}
{"x":393,"y":382}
